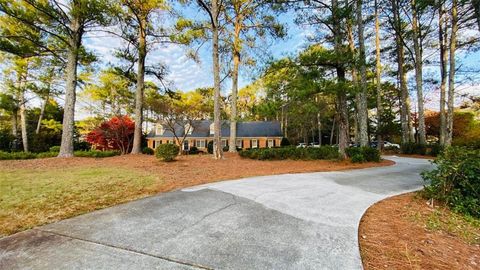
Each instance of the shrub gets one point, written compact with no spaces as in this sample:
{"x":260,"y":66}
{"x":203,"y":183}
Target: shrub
{"x":358,"y":158}
{"x":81,"y":146}
{"x":435,"y":149}
{"x":291,"y":152}
{"x":55,"y":148}
{"x":16,"y":155}
{"x":413,"y":148}
{"x":147,"y":151}
{"x":167,"y":152}
{"x":193,"y":150}
{"x":456,"y":180}
{"x":367,"y":154}
{"x":392,"y":149}
{"x":114,"y":134}
{"x":47,"y":154}
{"x":371,"y":154}
{"x":96,"y":153}
{"x":284,"y":142}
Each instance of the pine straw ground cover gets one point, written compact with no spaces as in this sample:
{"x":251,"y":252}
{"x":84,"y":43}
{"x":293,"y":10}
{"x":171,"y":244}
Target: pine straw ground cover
{"x":40,"y":191}
{"x":405,"y":232}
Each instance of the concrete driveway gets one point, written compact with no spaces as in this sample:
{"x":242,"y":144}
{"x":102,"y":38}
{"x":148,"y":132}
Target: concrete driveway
{"x":293,"y":221}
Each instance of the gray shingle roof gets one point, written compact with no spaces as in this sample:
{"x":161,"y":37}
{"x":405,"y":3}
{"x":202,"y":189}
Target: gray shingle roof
{"x":244,"y":129}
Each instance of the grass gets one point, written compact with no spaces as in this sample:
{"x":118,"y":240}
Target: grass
{"x":441,"y":219}
{"x":32,"y":197}
{"x":40,"y":191}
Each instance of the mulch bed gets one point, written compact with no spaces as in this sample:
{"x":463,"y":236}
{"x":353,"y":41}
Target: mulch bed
{"x":394,"y":234}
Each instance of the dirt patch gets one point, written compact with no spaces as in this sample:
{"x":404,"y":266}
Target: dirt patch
{"x":404,"y":232}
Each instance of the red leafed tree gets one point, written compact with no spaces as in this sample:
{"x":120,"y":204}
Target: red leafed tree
{"x":114,"y":134}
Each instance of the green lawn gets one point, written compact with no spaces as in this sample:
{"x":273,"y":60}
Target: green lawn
{"x":36,"y":196}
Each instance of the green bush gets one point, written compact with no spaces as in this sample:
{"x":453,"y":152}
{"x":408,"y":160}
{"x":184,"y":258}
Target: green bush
{"x":29,"y":155}
{"x":55,"y":148}
{"x":47,"y":154}
{"x":456,"y":180}
{"x":284,"y":142}
{"x":363,"y":154}
{"x":167,"y":152}
{"x":291,"y":152}
{"x":469,"y":143}
{"x":147,"y":151}
{"x":435,"y":149}
{"x":371,"y":154}
{"x":81,"y":146}
{"x":358,"y":158}
{"x":413,"y":148}
{"x":17,"y":155}
{"x":96,"y":153}
{"x":193,"y":150}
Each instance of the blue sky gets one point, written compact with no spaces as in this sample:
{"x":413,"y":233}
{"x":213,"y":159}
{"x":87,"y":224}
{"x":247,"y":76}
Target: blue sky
{"x":186,"y":75}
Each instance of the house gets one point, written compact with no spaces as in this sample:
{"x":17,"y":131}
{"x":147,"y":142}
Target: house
{"x":258,"y":134}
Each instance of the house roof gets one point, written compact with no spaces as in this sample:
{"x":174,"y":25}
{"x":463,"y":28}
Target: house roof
{"x":201,"y":129}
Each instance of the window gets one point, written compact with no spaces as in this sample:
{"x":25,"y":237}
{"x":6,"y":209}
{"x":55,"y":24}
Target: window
{"x":159,"y":129}
{"x":200,"y":143}
{"x":224,"y":143}
{"x":153,"y":144}
{"x":270,"y":143}
{"x":239,"y":143}
{"x":254,"y":143}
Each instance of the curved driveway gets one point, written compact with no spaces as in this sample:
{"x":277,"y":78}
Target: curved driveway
{"x":292,"y":221}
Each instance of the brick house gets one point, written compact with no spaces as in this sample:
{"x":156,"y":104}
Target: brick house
{"x":258,"y":134}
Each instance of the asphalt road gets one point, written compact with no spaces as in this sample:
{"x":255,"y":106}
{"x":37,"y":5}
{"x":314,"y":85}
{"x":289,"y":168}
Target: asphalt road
{"x":292,"y":221}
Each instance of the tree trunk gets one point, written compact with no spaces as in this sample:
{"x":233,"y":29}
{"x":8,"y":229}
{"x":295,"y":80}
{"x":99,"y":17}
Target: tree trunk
{"x":217,"y":148}
{"x":417,"y":45}
{"x":66,"y":147}
{"x":362,"y":95}
{"x":351,"y":45}
{"x":443,"y":71}
{"x":42,"y":113}
{"x":319,"y":124}
{"x":341,"y":94}
{"x":378,"y":67}
{"x":142,"y":53}
{"x":236,"y":64}
{"x":332,"y":131}
{"x":15,"y":124}
{"x":286,"y":125}
{"x":451,"y":75}
{"x":404,"y":99}
{"x":23,"y":114}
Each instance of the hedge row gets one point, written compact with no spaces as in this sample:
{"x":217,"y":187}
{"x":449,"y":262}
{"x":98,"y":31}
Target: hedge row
{"x":421,"y":149}
{"x":363,"y":154}
{"x":29,"y":155}
{"x":291,"y":152}
{"x":96,"y":153}
{"x":456,"y":180}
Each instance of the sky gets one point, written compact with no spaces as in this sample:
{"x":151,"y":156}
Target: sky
{"x":186,"y":74}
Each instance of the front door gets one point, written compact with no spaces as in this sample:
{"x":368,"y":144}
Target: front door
{"x":185,"y":145}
